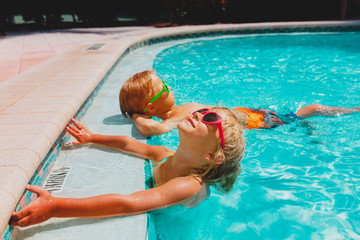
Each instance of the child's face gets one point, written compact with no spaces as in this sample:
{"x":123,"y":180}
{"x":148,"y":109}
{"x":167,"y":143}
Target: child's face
{"x":200,"y":135}
{"x":166,"y":100}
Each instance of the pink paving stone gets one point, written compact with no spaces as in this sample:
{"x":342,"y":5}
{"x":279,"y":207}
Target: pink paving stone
{"x":7,"y":74}
{"x":40,"y":170}
{"x":22,"y":201}
{"x":54,"y":150}
{"x":51,"y":165}
{"x":31,"y":61}
{"x":21,"y":51}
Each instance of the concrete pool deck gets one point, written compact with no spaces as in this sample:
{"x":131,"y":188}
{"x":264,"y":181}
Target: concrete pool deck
{"x":21,"y":51}
{"x":37,"y":104}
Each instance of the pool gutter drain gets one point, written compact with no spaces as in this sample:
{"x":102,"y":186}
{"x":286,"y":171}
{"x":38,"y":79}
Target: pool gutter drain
{"x":56,"y":179}
{"x":96,"y":47}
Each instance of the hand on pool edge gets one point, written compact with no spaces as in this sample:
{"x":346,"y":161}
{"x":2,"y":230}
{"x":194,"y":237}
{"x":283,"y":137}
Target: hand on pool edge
{"x":37,"y":211}
{"x":79,"y":132}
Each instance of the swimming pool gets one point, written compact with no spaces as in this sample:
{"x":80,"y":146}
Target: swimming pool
{"x":299,"y":181}
{"x":277,"y":188}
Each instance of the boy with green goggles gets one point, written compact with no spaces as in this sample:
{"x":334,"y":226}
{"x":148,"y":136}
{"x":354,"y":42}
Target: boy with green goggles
{"x":165,"y":88}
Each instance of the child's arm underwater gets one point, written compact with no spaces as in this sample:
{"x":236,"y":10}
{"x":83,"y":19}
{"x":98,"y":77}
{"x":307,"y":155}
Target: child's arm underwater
{"x":46,"y":206}
{"x":123,"y":143}
{"x":150,"y":127}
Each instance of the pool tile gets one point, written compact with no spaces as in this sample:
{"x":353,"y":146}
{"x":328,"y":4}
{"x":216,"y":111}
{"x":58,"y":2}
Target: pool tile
{"x":75,"y":87}
{"x":47,"y":129}
{"x":53,"y":100}
{"x":79,"y":74}
{"x":43,"y":108}
{"x":12,"y":181}
{"x":26,"y":159}
{"x":27,"y":80}
{"x":7,"y":101}
{"x":44,"y":92}
{"x":57,"y":119}
{"x":38,"y":143}
{"x":7,"y":203}
{"x":13,"y":91}
{"x":2,"y":106}
{"x":73,"y":82}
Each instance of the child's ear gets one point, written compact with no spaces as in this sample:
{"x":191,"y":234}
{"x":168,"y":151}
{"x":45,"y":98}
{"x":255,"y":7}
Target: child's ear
{"x":220,"y":159}
{"x":150,"y":108}
{"x":210,"y":157}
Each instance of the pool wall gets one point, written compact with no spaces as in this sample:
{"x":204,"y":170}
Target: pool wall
{"x":36,"y":105}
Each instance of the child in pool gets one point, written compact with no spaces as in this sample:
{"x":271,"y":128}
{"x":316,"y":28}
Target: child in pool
{"x":209,"y":153}
{"x":145,"y":95}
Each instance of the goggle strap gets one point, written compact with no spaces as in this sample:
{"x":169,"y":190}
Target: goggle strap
{"x":165,"y":88}
{"x":221,"y":135}
{"x":214,"y":122}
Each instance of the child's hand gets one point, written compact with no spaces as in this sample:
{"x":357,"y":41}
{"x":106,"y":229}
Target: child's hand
{"x":81,"y":133}
{"x":36,"y":212}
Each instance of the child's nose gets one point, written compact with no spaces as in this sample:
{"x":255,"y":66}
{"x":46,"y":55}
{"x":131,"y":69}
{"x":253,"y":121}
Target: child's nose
{"x":197,"y":116}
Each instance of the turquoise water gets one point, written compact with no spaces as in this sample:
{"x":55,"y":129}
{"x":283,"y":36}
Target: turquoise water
{"x":299,"y":181}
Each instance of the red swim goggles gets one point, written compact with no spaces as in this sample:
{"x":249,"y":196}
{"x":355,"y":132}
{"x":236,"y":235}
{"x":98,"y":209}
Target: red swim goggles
{"x":212,"y":118}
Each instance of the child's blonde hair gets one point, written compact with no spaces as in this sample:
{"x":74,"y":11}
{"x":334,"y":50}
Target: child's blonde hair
{"x":223,"y":176}
{"x":135,"y":91}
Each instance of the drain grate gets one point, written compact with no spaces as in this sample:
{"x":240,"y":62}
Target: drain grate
{"x":56,"y":180}
{"x":95,"y":47}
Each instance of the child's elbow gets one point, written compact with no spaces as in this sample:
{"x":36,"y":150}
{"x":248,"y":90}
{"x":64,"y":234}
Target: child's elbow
{"x":146,"y":130}
{"x":129,"y":208}
{"x":134,"y":205}
{"x":151,"y":129}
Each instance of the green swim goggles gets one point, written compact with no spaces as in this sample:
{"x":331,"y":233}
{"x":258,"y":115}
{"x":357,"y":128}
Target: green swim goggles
{"x":165,"y":88}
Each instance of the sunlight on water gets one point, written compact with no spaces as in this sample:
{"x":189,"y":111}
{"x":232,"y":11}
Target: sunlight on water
{"x":299,"y":181}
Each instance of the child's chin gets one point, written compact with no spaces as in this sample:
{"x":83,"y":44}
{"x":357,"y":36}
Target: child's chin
{"x":184,"y":126}
{"x":180,"y":126}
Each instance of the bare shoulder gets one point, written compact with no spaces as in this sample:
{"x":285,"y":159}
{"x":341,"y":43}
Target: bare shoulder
{"x":194,"y":105}
{"x":181,"y":189}
{"x":191,"y":190}
{"x":198,"y":197}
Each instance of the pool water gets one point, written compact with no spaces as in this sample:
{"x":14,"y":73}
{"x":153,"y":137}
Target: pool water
{"x":299,"y":181}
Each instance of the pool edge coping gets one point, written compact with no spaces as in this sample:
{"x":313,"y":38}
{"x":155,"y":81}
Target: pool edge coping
{"x":25,"y":143}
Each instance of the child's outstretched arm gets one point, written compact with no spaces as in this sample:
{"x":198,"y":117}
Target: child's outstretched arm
{"x":46,"y":206}
{"x":150,"y":127}
{"x":123,"y":143}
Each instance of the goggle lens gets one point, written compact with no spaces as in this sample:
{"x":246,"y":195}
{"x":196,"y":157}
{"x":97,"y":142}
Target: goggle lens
{"x":202,"y":111}
{"x":211,"y":117}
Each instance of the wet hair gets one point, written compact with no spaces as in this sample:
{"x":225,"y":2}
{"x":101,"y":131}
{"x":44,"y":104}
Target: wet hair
{"x":135,"y":92}
{"x":223,"y":176}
